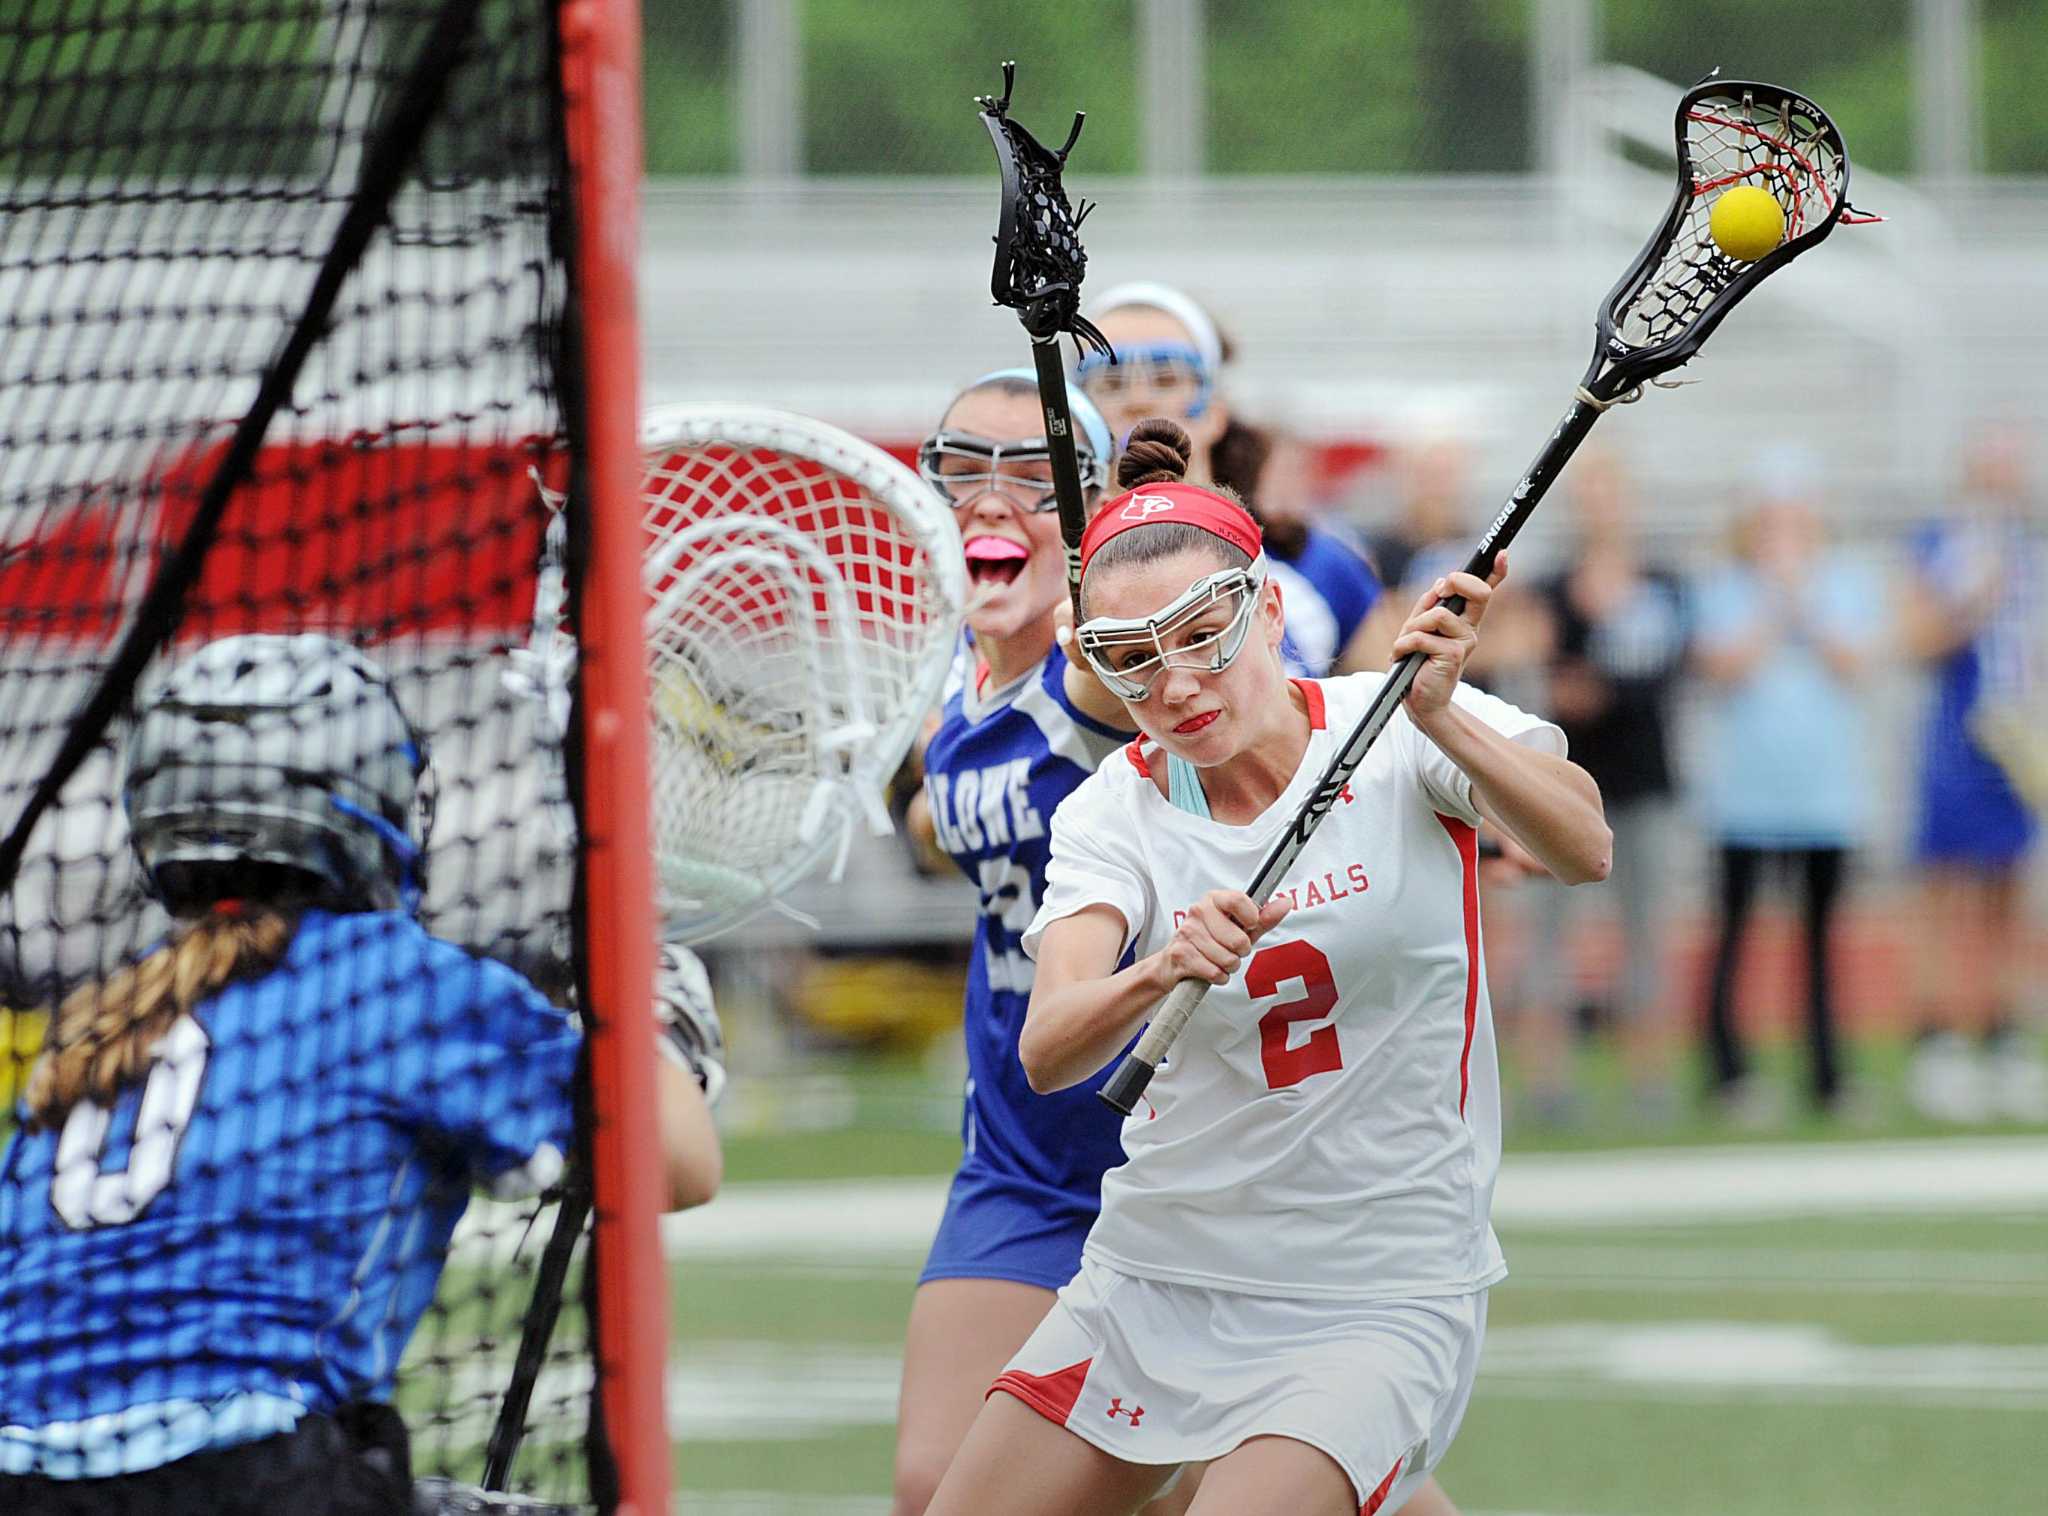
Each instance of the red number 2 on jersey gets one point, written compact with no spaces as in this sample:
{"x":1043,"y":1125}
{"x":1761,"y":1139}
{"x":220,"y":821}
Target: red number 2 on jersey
{"x":1319,"y":1054}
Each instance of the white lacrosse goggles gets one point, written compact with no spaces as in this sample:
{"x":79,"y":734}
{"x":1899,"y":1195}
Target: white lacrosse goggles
{"x":963,"y":467}
{"x":1129,"y":654}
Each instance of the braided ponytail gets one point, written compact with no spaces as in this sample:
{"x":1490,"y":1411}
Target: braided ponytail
{"x":103,"y":1033}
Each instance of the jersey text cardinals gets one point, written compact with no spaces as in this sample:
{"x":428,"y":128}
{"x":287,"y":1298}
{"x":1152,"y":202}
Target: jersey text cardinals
{"x":1329,"y":1124}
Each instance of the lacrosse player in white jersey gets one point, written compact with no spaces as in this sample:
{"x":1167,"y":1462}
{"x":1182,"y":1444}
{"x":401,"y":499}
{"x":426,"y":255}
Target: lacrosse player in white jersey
{"x":1288,"y":1279}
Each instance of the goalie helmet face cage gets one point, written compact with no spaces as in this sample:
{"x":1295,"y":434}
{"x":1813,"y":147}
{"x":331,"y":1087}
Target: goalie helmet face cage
{"x":282,"y":750}
{"x":1129,"y":654}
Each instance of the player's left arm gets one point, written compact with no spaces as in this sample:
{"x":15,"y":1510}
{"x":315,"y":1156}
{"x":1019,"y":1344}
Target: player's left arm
{"x":1545,"y":802}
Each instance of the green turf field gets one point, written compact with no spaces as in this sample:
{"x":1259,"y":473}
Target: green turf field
{"x":1840,"y":1365}
{"x":1815,"y":1360}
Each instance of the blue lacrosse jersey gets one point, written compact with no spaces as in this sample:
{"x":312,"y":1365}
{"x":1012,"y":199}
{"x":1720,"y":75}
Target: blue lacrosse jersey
{"x":1327,"y":590}
{"x":1030,"y":1180}
{"x":263,"y":1221}
{"x":1969,"y":811}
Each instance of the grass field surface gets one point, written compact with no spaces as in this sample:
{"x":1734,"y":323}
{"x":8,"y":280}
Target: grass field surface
{"x":1803,"y":1320}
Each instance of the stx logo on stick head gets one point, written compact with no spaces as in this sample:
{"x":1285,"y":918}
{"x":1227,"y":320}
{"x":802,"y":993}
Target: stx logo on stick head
{"x":1116,"y":1409}
{"x":1144,"y":506}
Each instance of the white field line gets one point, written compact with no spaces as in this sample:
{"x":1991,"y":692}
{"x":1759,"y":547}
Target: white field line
{"x":839,"y":1222}
{"x":1633,"y":1269}
{"x":1873,"y":1271}
{"x":747,"y":1392}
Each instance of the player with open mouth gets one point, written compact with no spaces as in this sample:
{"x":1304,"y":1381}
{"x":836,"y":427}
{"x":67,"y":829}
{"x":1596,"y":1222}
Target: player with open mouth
{"x":1021,"y":727}
{"x":1288,"y":1279}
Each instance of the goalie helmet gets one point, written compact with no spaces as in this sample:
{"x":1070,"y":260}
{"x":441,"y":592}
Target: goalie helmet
{"x":289,"y":751}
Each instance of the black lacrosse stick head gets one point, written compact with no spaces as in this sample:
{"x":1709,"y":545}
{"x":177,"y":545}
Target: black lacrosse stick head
{"x":1039,"y":258}
{"x":1682,"y":285}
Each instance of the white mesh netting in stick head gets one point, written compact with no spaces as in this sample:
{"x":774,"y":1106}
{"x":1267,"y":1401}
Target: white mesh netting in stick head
{"x":1779,"y":144}
{"x":806,"y":596}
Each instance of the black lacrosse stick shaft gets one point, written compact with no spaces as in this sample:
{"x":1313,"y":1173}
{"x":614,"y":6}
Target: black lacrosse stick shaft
{"x":1127,"y":1083}
{"x":1066,"y":466}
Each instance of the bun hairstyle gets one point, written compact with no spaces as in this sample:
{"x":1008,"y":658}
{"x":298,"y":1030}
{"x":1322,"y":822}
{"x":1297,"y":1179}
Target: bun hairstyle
{"x":1158,"y":451}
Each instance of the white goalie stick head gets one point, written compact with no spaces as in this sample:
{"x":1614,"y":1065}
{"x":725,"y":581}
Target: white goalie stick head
{"x":806,"y":596}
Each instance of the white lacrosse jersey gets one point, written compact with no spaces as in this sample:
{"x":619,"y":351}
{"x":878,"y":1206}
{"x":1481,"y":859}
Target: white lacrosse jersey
{"x":1328,"y":1125}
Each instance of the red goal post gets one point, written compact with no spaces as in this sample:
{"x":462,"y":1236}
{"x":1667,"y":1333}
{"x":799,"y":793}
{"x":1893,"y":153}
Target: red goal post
{"x":601,"y":81}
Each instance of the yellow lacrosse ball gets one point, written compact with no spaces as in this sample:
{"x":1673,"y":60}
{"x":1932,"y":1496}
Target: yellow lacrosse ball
{"x":1746,"y":222}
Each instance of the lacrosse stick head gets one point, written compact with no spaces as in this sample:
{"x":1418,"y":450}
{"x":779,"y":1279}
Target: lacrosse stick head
{"x":1681,"y":284}
{"x":1039,"y":258}
{"x":806,"y":592}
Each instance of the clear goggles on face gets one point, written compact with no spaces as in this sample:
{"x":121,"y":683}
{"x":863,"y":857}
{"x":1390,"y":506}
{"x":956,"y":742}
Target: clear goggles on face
{"x":1129,"y":654}
{"x":963,"y":467}
{"x":1142,"y":374}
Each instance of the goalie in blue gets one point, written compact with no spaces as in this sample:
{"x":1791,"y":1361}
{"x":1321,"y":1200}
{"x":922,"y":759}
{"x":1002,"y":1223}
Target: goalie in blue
{"x":239,"y":1161}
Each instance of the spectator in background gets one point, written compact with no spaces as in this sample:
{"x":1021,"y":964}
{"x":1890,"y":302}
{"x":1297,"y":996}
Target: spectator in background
{"x":1784,"y":633}
{"x":1614,"y":633}
{"x":1327,"y":583}
{"x":1434,"y":535}
{"x":1976,"y":612}
{"x":1434,"y":484}
{"x":1170,"y":355}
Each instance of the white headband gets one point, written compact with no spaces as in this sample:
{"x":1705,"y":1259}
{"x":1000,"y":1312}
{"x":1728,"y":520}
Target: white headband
{"x":1208,"y":341}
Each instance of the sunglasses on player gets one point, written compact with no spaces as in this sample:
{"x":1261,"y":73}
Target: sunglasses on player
{"x":963,"y":467}
{"x":1129,"y":654}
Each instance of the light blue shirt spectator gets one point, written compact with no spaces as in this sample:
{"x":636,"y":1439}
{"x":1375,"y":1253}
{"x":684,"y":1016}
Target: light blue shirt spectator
{"x":1788,"y":758}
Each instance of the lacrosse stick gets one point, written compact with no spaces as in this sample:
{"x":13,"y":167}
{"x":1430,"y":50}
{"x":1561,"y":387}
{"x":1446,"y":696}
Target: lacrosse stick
{"x":1038,"y":269}
{"x":1674,"y":294}
{"x":807,"y":591}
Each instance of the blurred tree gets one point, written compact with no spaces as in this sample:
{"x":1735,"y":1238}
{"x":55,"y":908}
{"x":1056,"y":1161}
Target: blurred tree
{"x":1474,"y":83}
{"x":2015,"y":61}
{"x":1852,"y":56}
{"x":1296,"y":86}
{"x":687,"y":80}
{"x":889,"y":89}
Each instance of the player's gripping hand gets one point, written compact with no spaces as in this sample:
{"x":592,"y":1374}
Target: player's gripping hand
{"x":1444,"y":637}
{"x":1216,"y":935}
{"x":690,"y":1031}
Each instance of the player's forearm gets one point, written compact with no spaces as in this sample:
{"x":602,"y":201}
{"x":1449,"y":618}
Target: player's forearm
{"x":693,"y":1163}
{"x":1075,"y":1028}
{"x":1550,"y":804}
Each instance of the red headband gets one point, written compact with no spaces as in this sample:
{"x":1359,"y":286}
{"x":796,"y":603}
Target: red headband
{"x":1158,"y":504}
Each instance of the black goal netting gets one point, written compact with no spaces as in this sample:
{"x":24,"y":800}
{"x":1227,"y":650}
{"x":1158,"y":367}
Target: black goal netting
{"x":287,"y":881}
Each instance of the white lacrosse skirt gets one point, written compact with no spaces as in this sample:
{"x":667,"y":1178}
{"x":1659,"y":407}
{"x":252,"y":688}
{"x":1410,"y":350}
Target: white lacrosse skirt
{"x":1160,"y":1373}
